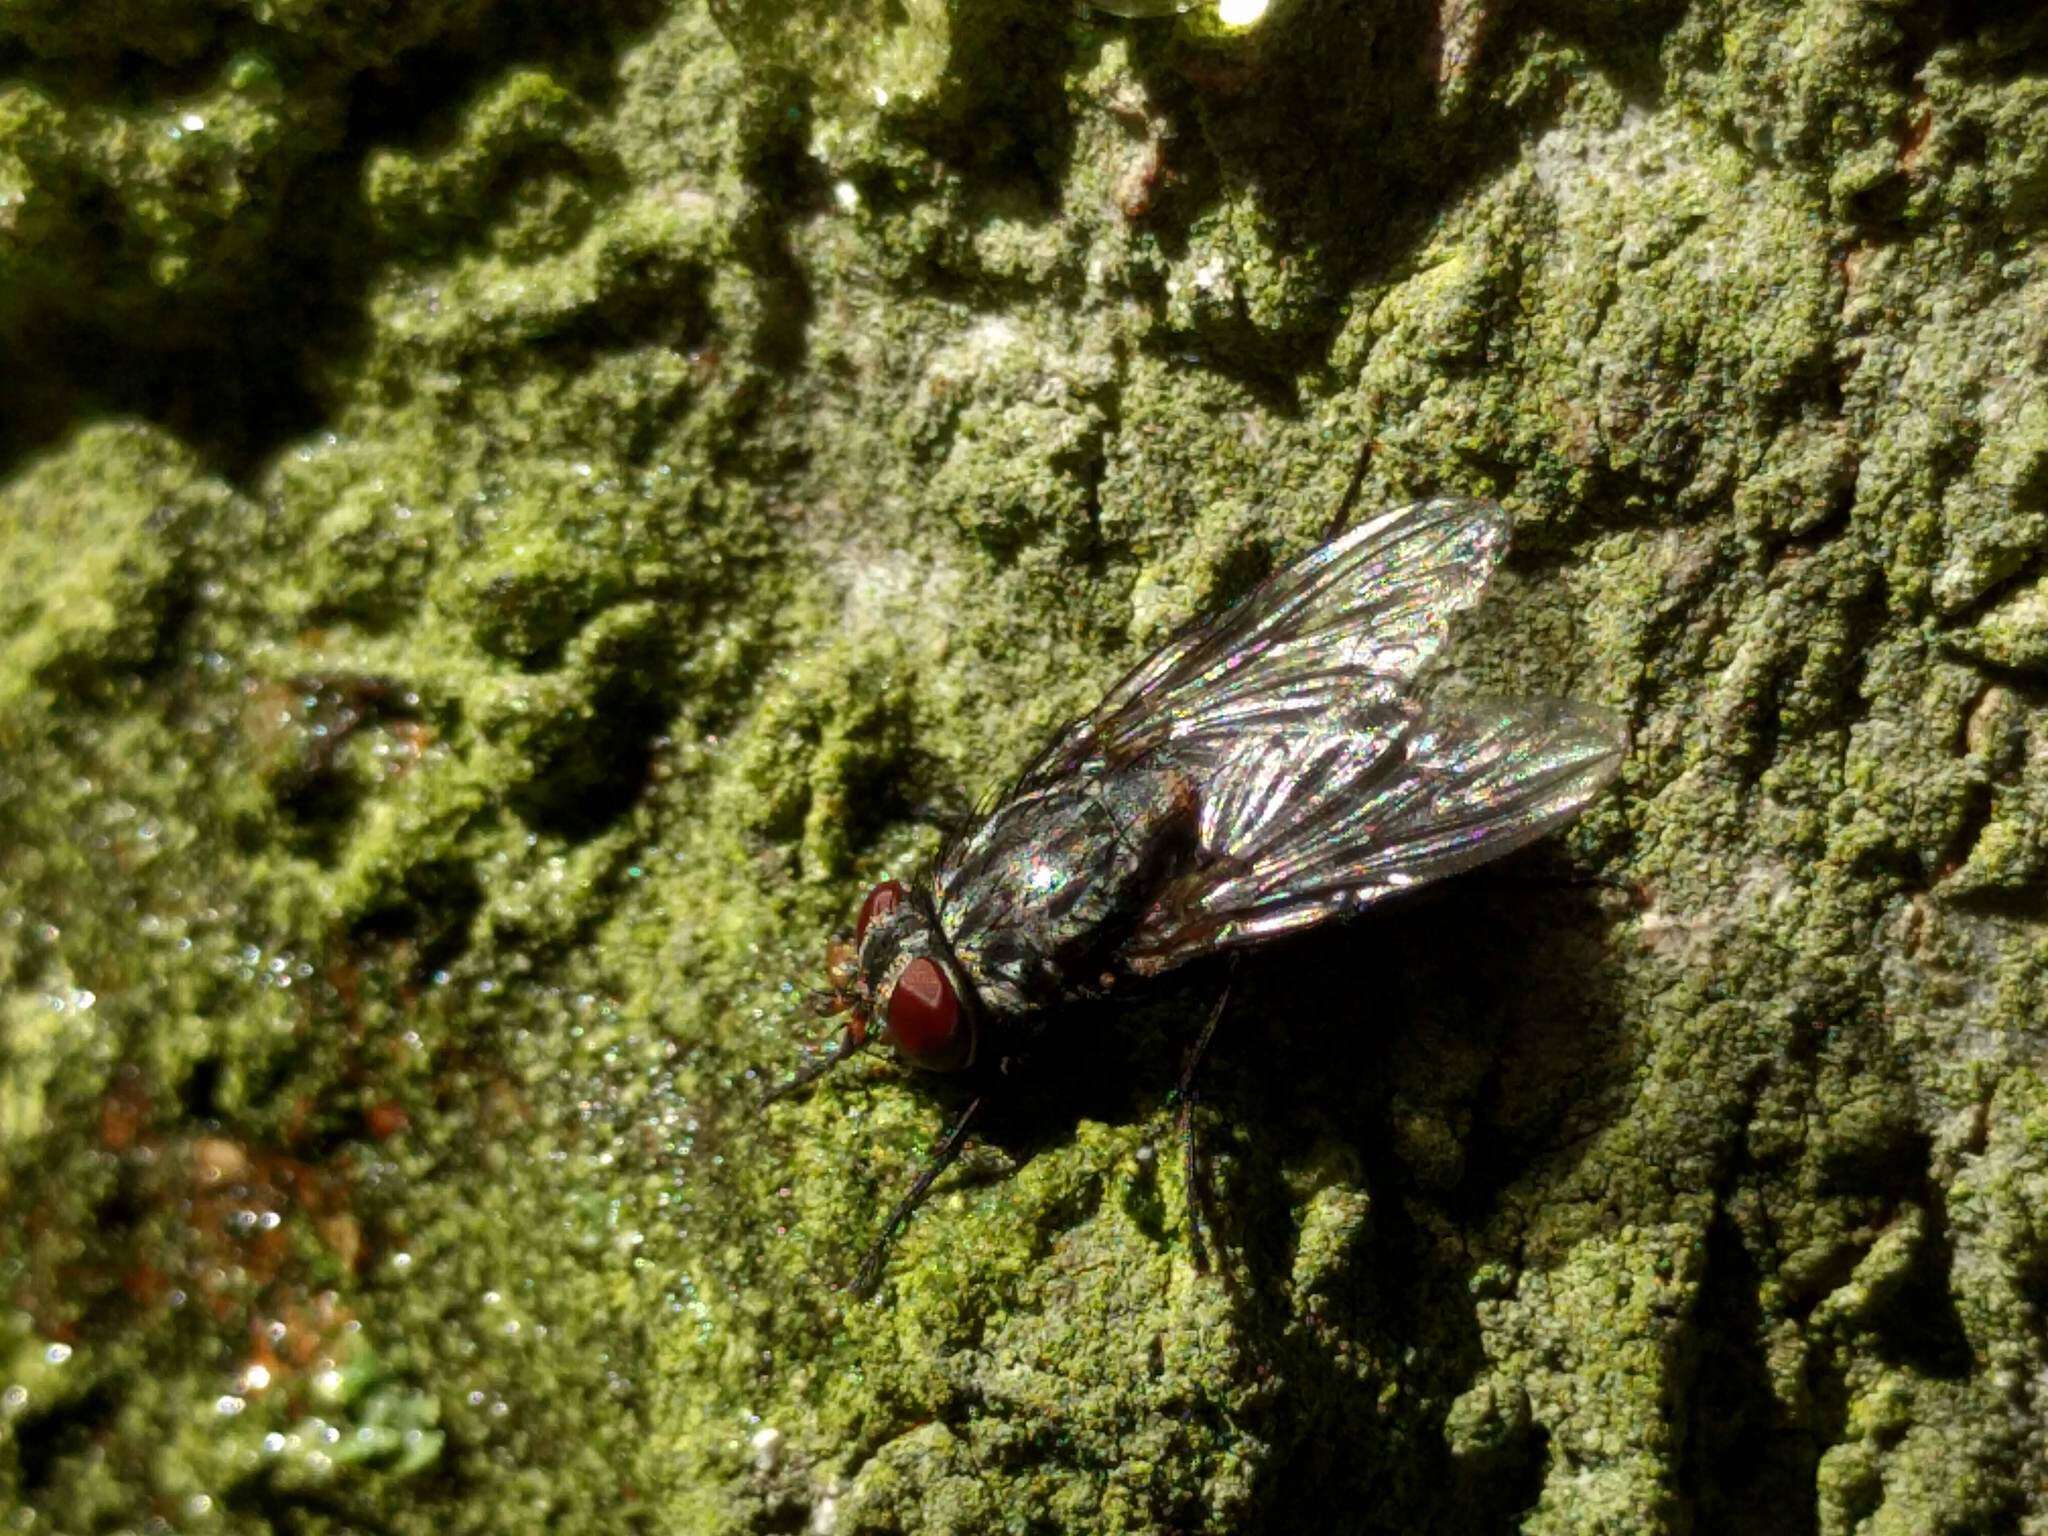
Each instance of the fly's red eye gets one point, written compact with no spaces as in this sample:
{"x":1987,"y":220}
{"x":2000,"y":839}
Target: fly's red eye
{"x":924,"y":1017}
{"x":883,"y":899}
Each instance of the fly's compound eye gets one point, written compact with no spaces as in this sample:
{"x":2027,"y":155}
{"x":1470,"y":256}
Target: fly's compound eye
{"x":882,"y":900}
{"x":925,"y":1024}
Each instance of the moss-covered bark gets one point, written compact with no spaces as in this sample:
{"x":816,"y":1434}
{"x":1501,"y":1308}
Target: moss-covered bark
{"x":514,"y":512}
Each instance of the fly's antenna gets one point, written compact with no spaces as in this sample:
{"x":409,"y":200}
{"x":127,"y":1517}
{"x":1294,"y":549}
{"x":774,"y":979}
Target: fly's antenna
{"x":812,"y":1070}
{"x":941,"y":1158}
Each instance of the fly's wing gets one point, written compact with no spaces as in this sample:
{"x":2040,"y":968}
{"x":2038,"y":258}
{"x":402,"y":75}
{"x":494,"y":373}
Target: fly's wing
{"x":1304,"y":825}
{"x":1365,"y":611}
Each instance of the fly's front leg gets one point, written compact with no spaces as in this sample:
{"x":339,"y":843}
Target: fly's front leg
{"x":849,"y":1042}
{"x":942,"y":1156}
{"x":1342,"y":515}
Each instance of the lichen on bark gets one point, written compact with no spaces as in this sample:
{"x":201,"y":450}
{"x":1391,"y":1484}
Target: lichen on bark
{"x":515,"y":513}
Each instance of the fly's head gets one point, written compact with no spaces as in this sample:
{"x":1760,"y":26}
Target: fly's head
{"x":898,"y":979}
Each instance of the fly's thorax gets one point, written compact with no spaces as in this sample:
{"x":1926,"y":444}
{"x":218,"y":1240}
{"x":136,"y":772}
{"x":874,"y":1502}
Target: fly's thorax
{"x":910,"y":984}
{"x":1037,"y":903}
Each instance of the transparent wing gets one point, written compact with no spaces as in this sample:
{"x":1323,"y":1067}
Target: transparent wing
{"x":1365,"y":611}
{"x":1301,"y":826}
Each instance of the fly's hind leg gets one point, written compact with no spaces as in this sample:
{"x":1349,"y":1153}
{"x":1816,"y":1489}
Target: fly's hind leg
{"x":1186,"y":1093}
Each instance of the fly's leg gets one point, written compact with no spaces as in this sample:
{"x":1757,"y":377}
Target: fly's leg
{"x":842,"y":970}
{"x":949,"y":811}
{"x":1186,"y":1093}
{"x":845,"y":1046}
{"x":942,"y":1156}
{"x":1344,"y":507}
{"x":952,"y":818}
{"x":1568,"y":880}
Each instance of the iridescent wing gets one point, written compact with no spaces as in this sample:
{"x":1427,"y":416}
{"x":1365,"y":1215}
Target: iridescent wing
{"x":1347,"y":626}
{"x":1290,"y":731}
{"x":1304,"y":825}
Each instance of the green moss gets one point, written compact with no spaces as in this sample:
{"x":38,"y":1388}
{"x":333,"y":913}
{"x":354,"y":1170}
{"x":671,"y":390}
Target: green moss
{"x":574,"y":493}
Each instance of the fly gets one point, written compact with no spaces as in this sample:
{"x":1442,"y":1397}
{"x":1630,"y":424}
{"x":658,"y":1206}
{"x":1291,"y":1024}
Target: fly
{"x":1269,"y":768}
